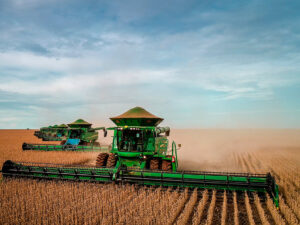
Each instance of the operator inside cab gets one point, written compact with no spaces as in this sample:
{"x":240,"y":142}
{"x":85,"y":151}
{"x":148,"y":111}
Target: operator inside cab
{"x":75,"y":133}
{"x":131,"y":141}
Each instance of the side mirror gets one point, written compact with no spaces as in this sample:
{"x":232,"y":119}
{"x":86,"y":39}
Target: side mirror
{"x":105,"y":133}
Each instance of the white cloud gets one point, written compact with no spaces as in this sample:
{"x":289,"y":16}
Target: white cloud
{"x":30,"y":61}
{"x":114,"y":37}
{"x":69,"y":79}
{"x":76,"y":75}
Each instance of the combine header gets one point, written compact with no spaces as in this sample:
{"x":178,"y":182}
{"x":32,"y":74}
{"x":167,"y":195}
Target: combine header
{"x":77,"y":136}
{"x":140,"y":155}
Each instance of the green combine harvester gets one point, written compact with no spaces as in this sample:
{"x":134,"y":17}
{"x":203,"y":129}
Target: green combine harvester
{"x":38,"y":133}
{"x":55,"y":133}
{"x":77,"y":136}
{"x":44,"y":133}
{"x":140,"y":155}
{"x":52,"y":133}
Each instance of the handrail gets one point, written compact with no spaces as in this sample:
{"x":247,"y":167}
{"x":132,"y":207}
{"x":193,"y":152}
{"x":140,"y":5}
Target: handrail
{"x":174,"y":149}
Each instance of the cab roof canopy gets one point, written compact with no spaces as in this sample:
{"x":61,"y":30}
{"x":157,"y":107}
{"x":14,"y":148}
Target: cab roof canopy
{"x":137,"y":116}
{"x":79,"y":123}
{"x":63,"y":126}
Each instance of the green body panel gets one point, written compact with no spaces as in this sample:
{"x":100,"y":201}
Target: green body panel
{"x":129,"y":154}
{"x":161,"y":145}
{"x":132,"y":163}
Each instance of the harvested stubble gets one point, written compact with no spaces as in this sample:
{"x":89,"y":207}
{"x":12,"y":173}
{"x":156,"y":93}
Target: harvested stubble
{"x":200,"y":208}
{"x":211,"y":209}
{"x":261,"y":211}
{"x":249,"y":210}
{"x":236,"y":210}
{"x":224,"y":209}
{"x":274,"y":212}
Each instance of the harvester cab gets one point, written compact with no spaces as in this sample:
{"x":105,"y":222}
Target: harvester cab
{"x":53,"y":131}
{"x":62,"y":131}
{"x":81,"y":133}
{"x":50,"y":133}
{"x":39,"y":133}
{"x":138,"y":143}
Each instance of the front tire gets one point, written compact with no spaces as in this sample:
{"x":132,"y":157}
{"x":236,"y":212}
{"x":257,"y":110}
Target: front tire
{"x":154,"y":164}
{"x":101,"y":160}
{"x":111,"y":161}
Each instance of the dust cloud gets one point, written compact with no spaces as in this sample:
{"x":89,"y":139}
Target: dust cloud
{"x":213,"y":149}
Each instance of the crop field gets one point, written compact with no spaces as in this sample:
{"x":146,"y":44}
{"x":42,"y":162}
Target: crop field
{"x":25,"y":201}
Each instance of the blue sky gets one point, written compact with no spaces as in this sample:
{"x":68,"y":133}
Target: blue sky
{"x":206,"y":64}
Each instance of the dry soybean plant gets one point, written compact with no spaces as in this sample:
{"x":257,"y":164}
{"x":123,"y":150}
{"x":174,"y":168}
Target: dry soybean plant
{"x":188,"y":210}
{"x":179,"y":207}
{"x":274,"y":212}
{"x":260,"y":210}
{"x":199,"y":211}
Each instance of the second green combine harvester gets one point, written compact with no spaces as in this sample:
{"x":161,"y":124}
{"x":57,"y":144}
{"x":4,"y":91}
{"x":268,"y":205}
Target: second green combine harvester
{"x":52,"y":133}
{"x":77,"y":136}
{"x":140,"y":155}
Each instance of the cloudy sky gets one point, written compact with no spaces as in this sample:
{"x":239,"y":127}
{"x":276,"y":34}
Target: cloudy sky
{"x":209,"y":64}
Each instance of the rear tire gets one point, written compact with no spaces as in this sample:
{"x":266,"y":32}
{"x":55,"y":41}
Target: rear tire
{"x":101,"y":160}
{"x":111,"y":161}
{"x":154,"y":164}
{"x":166,"y":165}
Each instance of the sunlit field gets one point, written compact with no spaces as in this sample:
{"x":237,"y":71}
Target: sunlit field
{"x":26,"y":201}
